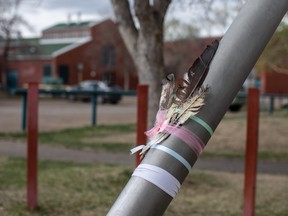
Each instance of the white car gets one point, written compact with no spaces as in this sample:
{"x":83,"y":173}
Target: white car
{"x":83,"y":91}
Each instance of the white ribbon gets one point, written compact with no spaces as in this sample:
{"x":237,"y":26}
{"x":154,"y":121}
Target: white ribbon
{"x":159,"y":177}
{"x":136,"y":149}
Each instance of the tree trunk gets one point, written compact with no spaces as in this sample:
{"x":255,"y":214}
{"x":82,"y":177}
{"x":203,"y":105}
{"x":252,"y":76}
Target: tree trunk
{"x":145,"y":44}
{"x":150,"y":70}
{"x":4,"y":68}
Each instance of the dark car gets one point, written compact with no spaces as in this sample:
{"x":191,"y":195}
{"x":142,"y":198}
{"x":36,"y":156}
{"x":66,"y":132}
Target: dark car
{"x":91,"y":85}
{"x":239,"y":100}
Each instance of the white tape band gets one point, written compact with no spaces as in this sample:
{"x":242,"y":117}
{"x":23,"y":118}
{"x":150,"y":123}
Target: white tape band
{"x":159,"y":177}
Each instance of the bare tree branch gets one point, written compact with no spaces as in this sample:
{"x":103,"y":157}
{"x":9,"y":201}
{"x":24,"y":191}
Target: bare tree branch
{"x":10,"y":20}
{"x":161,"y":7}
{"x":278,"y":69}
{"x":147,"y":17}
{"x":143,"y":11}
{"x":152,"y":13}
{"x":127,"y":26}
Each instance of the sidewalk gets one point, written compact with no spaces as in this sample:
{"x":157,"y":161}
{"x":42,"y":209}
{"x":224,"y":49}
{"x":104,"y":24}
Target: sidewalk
{"x":18,"y":150}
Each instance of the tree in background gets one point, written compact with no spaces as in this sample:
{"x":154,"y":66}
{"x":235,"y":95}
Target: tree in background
{"x":10,"y":20}
{"x":141,"y":27}
{"x":143,"y":37}
{"x":212,"y":15}
{"x":177,"y":30}
{"x":275,"y":55}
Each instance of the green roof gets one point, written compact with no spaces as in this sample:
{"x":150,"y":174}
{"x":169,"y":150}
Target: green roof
{"x":48,"y":49}
{"x":21,"y":40}
{"x":69,"y":25}
{"x":31,"y":49}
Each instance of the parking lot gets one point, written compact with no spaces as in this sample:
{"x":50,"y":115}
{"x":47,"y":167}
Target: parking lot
{"x":59,"y":113}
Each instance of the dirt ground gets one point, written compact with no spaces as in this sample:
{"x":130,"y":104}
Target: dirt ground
{"x":57,"y":114}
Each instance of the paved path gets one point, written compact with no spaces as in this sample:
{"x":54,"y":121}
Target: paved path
{"x":47,"y":152}
{"x":56,"y":114}
{"x":12,"y":149}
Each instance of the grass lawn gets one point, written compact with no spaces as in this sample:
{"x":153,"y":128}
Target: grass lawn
{"x":69,"y":189}
{"x":228,"y":141}
{"x":113,"y":138}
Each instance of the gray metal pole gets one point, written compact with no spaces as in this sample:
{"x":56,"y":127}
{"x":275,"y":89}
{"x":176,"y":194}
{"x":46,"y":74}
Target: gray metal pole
{"x":236,"y":55}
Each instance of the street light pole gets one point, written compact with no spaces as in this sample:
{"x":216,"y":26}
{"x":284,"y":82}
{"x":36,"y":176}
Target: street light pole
{"x":237,"y":53}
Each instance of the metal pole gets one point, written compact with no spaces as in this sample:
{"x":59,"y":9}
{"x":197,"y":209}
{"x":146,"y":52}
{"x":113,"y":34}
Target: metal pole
{"x":32,"y":145}
{"x":237,"y":53}
{"x":251,"y":152}
{"x":142,"y":110}
{"x":271,"y":105}
{"x":94,"y":109}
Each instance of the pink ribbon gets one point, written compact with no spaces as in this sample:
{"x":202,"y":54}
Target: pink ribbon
{"x":187,"y":136}
{"x":160,"y":124}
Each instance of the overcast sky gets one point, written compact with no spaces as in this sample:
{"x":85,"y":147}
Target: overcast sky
{"x":42,"y":14}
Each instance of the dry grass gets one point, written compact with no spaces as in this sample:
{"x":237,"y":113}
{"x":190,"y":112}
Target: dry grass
{"x":221,"y":193}
{"x":123,"y":138}
{"x":229,"y":138}
{"x":67,"y":189}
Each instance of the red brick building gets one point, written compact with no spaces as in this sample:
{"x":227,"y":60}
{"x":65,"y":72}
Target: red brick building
{"x":72,"y":52}
{"x":180,"y":55}
{"x":274,"y":82}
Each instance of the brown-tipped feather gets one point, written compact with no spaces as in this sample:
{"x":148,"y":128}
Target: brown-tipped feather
{"x":196,"y":73}
{"x":189,"y":96}
{"x":168,"y":85}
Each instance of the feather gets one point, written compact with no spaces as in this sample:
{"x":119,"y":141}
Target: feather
{"x":178,"y":114}
{"x":188,"y":99}
{"x":192,"y":106}
{"x":168,"y":85}
{"x":196,"y":73}
{"x":166,"y":99}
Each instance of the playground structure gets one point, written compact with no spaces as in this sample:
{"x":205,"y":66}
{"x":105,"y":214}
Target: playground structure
{"x":30,"y":107}
{"x":156,"y":201}
{"x":148,"y":193}
{"x":142,"y":99}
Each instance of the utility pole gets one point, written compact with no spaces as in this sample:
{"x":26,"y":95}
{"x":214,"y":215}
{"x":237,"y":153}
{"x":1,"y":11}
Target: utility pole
{"x":237,"y":53}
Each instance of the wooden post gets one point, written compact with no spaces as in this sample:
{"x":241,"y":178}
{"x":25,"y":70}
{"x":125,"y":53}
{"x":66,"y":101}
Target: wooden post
{"x":24,"y":111}
{"x":32,"y":145}
{"x":142,"y":110}
{"x":251,"y":152}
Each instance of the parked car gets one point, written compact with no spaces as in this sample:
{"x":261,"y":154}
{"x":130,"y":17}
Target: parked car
{"x":90,"y":85}
{"x":239,"y":100}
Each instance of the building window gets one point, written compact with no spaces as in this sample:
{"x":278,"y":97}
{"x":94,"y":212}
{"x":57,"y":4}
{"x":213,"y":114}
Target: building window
{"x":47,"y":72}
{"x":85,"y":33}
{"x":108,"y":56}
{"x":109,"y":77}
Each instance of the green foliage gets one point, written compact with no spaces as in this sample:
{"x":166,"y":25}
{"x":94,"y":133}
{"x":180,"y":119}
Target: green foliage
{"x":275,"y":54}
